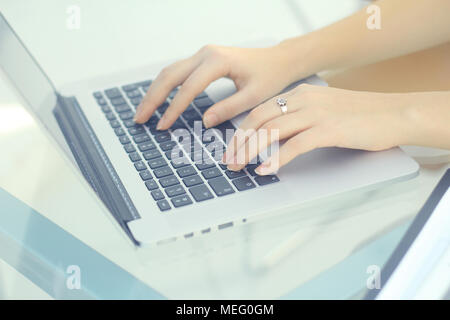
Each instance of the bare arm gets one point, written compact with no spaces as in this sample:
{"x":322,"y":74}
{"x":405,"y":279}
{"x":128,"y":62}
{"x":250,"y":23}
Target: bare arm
{"x":406,"y":26}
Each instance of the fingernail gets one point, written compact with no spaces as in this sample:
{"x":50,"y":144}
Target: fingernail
{"x":161,"y":123}
{"x":230,"y":160}
{"x":264,"y":168}
{"x":233,"y":167}
{"x":210,"y":119}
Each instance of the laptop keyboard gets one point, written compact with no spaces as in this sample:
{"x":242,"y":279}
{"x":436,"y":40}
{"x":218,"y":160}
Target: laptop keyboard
{"x":176,"y":173}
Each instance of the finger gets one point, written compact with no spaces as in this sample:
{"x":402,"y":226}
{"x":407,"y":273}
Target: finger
{"x":301,"y":143}
{"x":196,"y":82}
{"x":230,"y":107}
{"x":164,"y":83}
{"x":273,"y":131}
{"x":255,"y":119}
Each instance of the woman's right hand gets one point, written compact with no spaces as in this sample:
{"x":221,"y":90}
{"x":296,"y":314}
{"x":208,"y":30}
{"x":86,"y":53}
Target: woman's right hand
{"x":257,"y":73}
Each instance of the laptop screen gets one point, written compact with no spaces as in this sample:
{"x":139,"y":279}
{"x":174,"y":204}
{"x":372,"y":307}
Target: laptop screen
{"x":30,"y":81}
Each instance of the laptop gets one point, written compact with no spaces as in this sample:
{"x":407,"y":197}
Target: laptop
{"x":154,"y":198}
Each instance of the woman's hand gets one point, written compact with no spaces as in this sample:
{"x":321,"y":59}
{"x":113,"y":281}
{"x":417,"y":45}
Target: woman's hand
{"x":257,"y":73}
{"x":320,"y":117}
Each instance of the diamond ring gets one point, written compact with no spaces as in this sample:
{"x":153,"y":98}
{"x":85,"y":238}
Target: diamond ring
{"x":282,"y":103}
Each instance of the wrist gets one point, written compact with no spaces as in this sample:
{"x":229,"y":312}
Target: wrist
{"x":299,"y":57}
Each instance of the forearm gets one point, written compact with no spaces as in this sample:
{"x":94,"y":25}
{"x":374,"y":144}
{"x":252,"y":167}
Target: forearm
{"x":428,"y":119}
{"x":406,"y":27}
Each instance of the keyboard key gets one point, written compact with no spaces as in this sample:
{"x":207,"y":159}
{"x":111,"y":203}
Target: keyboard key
{"x":201,"y":193}
{"x":129,"y":87}
{"x":191,"y":115}
{"x":180,"y":162}
{"x":110,"y":116}
{"x":203,"y":103}
{"x":118,"y":101}
{"x":225,"y":127}
{"x":192,"y":180}
{"x":151,"y":154}
{"x":169,"y":181}
{"x":157,"y":195}
{"x":124,"y":140}
{"x":102,"y":102}
{"x":134,"y":94}
{"x":162,"y":108}
{"x":168,"y":145}
{"x":263,"y":180}
{"x":141,"y":138}
{"x":162,"y":137}
{"x":220,"y":186}
{"x":97,"y":95}
{"x":174,"y":191}
{"x":162,"y":172}
{"x":223,"y":166}
{"x":186,"y":171}
{"x":251,"y":169}
{"x":145,"y":83}
{"x":129,"y":148}
{"x":114,"y":123}
{"x":234,"y":174}
{"x":145,"y":175}
{"x":163,"y":205}
{"x":153,"y":120}
{"x":175,"y":153}
{"x":173,"y":93}
{"x":204,"y":166}
{"x":157,"y":163}
{"x":136,"y":101}
{"x":178,"y":124}
{"x":146,"y":146}
{"x":201,"y":95}
{"x":129,"y":123}
{"x":135,"y":130}
{"x":151,"y":184}
{"x":140,"y":166}
{"x":126,"y":115}
{"x":122,"y":108}
{"x":211,"y":173}
{"x":134,"y":156}
{"x":243,"y":183}
{"x":119,"y":131}
{"x":113,"y":93}
{"x":106,"y":109}
{"x":181,"y":201}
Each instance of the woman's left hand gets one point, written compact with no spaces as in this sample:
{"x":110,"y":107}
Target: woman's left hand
{"x":319,"y":117}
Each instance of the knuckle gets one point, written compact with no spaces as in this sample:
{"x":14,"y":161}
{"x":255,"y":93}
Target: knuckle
{"x":209,"y":48}
{"x":165,"y":72}
{"x":213,"y":52}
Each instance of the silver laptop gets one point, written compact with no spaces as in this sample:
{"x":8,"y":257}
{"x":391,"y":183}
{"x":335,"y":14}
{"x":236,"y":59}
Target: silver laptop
{"x":132,"y":168}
